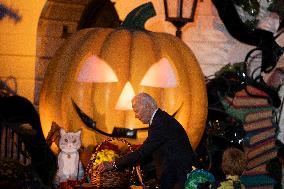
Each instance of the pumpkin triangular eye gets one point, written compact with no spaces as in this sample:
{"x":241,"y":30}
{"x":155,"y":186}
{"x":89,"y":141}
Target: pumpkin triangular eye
{"x":96,"y":70}
{"x":160,"y":74}
{"x":124,"y":100}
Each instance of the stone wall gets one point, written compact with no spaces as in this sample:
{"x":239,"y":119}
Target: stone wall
{"x":58,"y":19}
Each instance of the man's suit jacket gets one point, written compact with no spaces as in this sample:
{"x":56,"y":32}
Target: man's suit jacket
{"x":169,"y":146}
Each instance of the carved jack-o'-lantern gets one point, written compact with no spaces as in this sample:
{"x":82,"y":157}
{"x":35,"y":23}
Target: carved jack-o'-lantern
{"x":92,"y":78}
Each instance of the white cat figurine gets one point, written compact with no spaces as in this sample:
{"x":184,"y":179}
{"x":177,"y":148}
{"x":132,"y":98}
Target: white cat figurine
{"x":69,"y":164}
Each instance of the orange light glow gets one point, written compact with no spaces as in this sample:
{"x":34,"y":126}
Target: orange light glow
{"x":124,"y":100}
{"x":96,"y":70}
{"x":161,"y":75}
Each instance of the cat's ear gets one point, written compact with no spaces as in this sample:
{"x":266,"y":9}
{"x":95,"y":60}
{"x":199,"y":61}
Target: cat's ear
{"x":62,"y":131}
{"x":78,"y":132}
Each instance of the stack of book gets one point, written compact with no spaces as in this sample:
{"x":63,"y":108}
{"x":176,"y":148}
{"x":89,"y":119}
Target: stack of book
{"x":252,"y":108}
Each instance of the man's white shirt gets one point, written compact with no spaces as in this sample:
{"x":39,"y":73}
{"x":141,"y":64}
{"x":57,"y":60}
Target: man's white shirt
{"x":152,"y":117}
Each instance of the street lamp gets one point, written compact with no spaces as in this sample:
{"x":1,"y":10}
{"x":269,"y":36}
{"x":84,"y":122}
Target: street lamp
{"x":178,"y":13}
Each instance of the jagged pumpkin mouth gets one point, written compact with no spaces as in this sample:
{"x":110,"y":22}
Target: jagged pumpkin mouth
{"x":117,"y":132}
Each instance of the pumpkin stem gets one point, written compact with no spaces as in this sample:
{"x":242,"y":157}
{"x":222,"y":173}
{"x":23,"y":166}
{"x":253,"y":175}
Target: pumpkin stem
{"x":137,"y":18}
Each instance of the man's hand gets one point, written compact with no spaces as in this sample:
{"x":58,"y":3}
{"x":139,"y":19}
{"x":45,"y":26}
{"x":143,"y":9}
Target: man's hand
{"x":105,"y":166}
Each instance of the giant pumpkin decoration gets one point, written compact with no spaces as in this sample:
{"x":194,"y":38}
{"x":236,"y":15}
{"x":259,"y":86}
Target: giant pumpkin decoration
{"x":89,"y":83}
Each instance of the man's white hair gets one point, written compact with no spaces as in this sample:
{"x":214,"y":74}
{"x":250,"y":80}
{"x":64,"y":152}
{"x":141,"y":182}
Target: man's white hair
{"x":145,"y":99}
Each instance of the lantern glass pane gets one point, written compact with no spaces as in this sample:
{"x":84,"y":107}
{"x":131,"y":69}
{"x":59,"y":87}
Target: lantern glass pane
{"x":173,"y":9}
{"x":187,"y":8}
{"x":176,"y":6}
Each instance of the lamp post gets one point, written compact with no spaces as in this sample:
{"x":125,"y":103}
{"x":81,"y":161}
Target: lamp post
{"x":178,"y":13}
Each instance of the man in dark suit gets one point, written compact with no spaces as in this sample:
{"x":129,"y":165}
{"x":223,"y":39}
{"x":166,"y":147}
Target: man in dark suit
{"x":167,"y":143}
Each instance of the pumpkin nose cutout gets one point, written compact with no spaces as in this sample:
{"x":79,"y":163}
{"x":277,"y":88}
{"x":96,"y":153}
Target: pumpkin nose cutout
{"x":124,"y":100}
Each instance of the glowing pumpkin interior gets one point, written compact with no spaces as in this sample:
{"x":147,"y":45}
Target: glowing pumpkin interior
{"x":108,"y":69}
{"x":97,"y":71}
